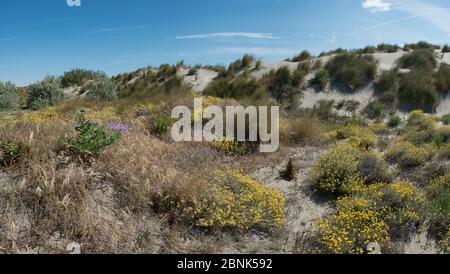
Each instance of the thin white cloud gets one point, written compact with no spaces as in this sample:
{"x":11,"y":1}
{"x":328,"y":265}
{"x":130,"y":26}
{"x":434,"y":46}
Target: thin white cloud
{"x":436,"y":15}
{"x":377,"y":5}
{"x":249,"y":35}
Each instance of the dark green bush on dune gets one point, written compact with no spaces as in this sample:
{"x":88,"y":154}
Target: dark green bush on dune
{"x":421,"y":45}
{"x":419,"y":59}
{"x":8,"y":96}
{"x":352,"y":70}
{"x":237,"y":89}
{"x":418,"y":89}
{"x":387,"y":82}
{"x":443,"y":78}
{"x":302,"y":56}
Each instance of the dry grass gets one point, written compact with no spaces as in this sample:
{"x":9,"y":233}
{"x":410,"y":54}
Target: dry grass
{"x":302,"y":130}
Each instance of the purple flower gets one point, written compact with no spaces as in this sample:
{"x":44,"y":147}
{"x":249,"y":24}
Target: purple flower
{"x":119,"y":128}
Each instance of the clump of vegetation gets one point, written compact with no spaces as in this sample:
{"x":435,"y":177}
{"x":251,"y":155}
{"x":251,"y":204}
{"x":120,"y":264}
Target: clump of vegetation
{"x":91,"y":139}
{"x":375,"y":110}
{"x":387,"y":82}
{"x":161,"y":125}
{"x":418,"y":89}
{"x":289,"y":172}
{"x":422,"y":59}
{"x":8,"y":96}
{"x":408,"y":155}
{"x":48,"y":92}
{"x":77,"y":77}
{"x":301,"y":130}
{"x":358,"y":136}
{"x":234,"y":148}
{"x":102,"y":88}
{"x":238,"y":89}
{"x":443,"y":78}
{"x":336,"y":171}
{"x":421,"y":45}
{"x":446,"y":119}
{"x":12,"y":152}
{"x":394,"y":121}
{"x":352,"y":70}
{"x":321,"y":79}
{"x":387,"y":48}
{"x":349,"y":232}
{"x":302,"y":56}
{"x":445,"y":48}
{"x":373,"y":169}
{"x":229,"y":200}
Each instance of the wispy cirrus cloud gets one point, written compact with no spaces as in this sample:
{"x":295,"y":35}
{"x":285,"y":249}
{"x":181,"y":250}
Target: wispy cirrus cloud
{"x":435,"y":15}
{"x":248,"y":35}
{"x":377,"y":5}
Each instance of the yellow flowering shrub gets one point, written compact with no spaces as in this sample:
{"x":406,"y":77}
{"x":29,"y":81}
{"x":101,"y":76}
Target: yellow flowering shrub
{"x":350,"y":231}
{"x":106,"y":114}
{"x":356,"y":135}
{"x":233,"y":148}
{"x":336,"y":171}
{"x":231,"y":200}
{"x":408,"y":155}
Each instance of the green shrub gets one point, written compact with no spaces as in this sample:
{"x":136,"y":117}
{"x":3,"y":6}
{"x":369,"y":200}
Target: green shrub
{"x":352,"y":70}
{"x":103,"y":89}
{"x":8,"y":96}
{"x":421,"y":45}
{"x":48,"y":92}
{"x":247,"y":60}
{"x":394,"y":121}
{"x":303,"y":56}
{"x":323,"y":109}
{"x":162,"y":125}
{"x":408,"y":155}
{"x":238,"y":89}
{"x":12,"y":152}
{"x":321,"y":79}
{"x":91,"y":139}
{"x":418,"y":89}
{"x":388,"y":48}
{"x":446,"y":119}
{"x":374,"y":110}
{"x":77,"y":77}
{"x":443,"y":78}
{"x":387,"y":82}
{"x":422,"y":59}
{"x":445,"y":48}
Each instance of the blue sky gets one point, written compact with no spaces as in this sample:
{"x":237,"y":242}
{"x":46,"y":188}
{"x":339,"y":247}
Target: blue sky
{"x":39,"y":38}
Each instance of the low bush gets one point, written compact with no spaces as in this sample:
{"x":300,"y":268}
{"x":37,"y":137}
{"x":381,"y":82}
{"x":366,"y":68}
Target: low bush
{"x":417,"y":88}
{"x":445,"y":119}
{"x":8,"y":96}
{"x":161,"y":125}
{"x":350,"y":231}
{"x":387,"y":48}
{"x":421,"y":45}
{"x":77,"y":77}
{"x":358,"y":136}
{"x":103,"y":89}
{"x":335,"y":172}
{"x":445,"y":48}
{"x":321,"y":79}
{"x":394,"y":121}
{"x":91,"y":138}
{"x":229,"y":200}
{"x":408,"y":155}
{"x":234,"y":148}
{"x":352,"y":70}
{"x":373,"y":169}
{"x":443,"y":78}
{"x":422,"y":59}
{"x":387,"y":82}
{"x":12,"y":152}
{"x":301,"y":130}
{"x":48,"y":92}
{"x":374,"y":110}
{"x":289,"y":172}
{"x":303,"y":56}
